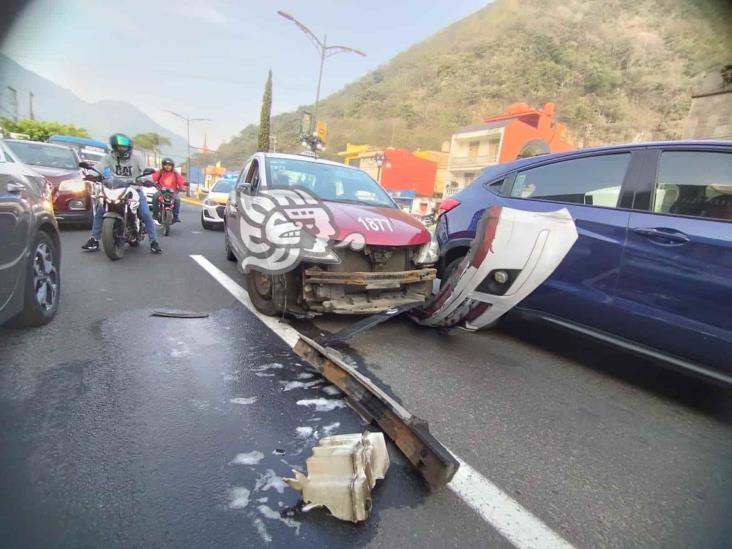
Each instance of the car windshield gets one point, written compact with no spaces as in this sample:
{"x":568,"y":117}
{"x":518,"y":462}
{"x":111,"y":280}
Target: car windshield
{"x":223,"y":186}
{"x":40,"y":154}
{"x":327,"y":182}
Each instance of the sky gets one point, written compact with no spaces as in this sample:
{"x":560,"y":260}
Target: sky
{"x":209,"y":59}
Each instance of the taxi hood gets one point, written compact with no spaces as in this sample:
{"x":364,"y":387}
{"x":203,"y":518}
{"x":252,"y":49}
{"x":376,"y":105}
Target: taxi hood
{"x":380,"y":226}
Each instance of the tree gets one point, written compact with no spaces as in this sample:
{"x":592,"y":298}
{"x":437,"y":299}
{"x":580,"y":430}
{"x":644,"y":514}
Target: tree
{"x":263,"y":134}
{"x":151,"y":141}
{"x":39,"y":130}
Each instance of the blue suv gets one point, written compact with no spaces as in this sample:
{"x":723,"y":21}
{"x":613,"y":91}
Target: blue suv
{"x":651,"y":270}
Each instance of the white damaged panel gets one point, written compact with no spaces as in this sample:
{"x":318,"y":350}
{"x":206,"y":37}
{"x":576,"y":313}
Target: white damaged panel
{"x":341,"y":474}
{"x":514,"y":252}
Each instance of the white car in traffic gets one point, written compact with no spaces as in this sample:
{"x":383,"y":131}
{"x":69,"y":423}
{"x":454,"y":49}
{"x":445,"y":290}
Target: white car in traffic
{"x":212,"y":211}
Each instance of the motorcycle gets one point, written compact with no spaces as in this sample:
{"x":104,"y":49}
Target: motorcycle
{"x":166,"y":204}
{"x":122,"y":225}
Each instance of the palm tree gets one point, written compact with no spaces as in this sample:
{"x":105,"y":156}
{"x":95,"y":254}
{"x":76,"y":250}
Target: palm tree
{"x":151,"y":141}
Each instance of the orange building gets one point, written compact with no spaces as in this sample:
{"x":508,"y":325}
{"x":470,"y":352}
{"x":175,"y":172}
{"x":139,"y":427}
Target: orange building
{"x":522,"y":131}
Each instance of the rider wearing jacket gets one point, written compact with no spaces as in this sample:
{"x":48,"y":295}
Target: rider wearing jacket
{"x":119,"y":167}
{"x":168,"y":178}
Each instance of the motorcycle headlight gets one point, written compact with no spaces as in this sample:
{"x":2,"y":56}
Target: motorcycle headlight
{"x":72,"y":186}
{"x":429,"y":253}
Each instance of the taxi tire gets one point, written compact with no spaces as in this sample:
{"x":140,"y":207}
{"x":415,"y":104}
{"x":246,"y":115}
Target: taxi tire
{"x":284,"y":291}
{"x":227,"y":247}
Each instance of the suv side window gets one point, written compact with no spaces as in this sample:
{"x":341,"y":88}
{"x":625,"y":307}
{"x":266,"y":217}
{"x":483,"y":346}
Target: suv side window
{"x":591,"y":181}
{"x":694,"y":183}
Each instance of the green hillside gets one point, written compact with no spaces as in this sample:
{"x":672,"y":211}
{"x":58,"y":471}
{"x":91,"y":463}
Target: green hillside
{"x":618,"y":70}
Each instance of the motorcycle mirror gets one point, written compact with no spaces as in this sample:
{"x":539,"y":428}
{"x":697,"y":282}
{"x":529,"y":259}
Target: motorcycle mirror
{"x":86,"y":164}
{"x":148,"y":171}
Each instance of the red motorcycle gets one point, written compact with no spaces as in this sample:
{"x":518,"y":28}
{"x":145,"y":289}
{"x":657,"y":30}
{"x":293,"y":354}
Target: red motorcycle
{"x":166,"y":206}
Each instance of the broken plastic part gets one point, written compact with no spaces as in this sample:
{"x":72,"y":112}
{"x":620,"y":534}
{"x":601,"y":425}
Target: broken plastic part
{"x":341,"y":474}
{"x":514,"y":252}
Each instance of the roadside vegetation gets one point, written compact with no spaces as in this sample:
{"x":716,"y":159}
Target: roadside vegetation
{"x":620,"y":70}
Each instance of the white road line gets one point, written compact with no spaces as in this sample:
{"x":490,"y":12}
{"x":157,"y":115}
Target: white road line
{"x":505,"y":514}
{"x":288,"y":334}
{"x":514,"y":522}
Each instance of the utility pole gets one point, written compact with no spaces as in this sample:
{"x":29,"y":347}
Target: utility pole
{"x":14,"y":102}
{"x":30,"y":105}
{"x":324,"y":51}
{"x":188,"y":121}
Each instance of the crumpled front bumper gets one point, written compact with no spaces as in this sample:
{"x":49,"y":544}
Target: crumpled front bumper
{"x":513,"y":253}
{"x":375,"y":291}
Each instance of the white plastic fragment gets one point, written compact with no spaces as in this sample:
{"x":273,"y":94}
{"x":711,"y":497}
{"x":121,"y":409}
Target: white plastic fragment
{"x":341,"y":474}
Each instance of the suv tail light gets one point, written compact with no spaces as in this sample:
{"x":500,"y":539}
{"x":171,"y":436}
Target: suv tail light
{"x":447,"y":205}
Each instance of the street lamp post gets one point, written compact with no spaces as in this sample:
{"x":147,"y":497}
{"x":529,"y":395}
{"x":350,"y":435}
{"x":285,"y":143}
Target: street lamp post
{"x":324,"y":51}
{"x":188,"y":121}
{"x":379,"y":159}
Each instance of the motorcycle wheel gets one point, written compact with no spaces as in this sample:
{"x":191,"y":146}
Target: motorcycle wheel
{"x":167,"y":222}
{"x":114,"y":245}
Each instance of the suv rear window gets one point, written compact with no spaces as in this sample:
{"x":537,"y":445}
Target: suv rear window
{"x":591,"y":181}
{"x":694,"y":183}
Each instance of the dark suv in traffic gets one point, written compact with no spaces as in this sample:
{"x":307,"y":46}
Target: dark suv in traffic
{"x":30,"y":251}
{"x":651,"y":270}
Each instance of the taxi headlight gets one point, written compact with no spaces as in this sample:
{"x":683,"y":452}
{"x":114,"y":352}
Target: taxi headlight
{"x":429,"y":253}
{"x":72,"y":186}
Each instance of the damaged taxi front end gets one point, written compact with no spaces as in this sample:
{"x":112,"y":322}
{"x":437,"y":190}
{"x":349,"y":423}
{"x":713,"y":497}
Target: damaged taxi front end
{"x":367,"y":281}
{"x":314,"y":237}
{"x":390,"y":264}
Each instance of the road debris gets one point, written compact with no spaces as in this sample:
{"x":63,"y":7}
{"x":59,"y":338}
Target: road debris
{"x":410,"y":433}
{"x":341,"y":474}
{"x":175,"y":313}
{"x":513,"y":253}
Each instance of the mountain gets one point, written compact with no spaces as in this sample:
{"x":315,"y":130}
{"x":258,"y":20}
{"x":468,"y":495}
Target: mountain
{"x":54,"y":103}
{"x":618,"y":71}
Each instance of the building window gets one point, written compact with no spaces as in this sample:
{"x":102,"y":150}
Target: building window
{"x":493,"y":145}
{"x":473,"y":148}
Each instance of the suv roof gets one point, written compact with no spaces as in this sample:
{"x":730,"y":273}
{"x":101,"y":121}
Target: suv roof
{"x":500,"y":169}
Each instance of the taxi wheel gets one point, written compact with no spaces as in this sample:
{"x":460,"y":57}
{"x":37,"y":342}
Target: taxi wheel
{"x":227,"y":247}
{"x":272,"y":295}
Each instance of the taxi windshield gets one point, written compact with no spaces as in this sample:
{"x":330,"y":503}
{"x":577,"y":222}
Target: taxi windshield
{"x":328,"y":182}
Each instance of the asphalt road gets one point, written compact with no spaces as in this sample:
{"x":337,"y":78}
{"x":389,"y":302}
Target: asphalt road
{"x":122,"y":430}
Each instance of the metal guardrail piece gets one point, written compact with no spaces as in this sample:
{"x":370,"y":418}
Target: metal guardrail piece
{"x":408,"y":432}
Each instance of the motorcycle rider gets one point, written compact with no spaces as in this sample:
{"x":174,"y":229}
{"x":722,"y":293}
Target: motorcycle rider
{"x":121,"y":164}
{"x":168,"y":178}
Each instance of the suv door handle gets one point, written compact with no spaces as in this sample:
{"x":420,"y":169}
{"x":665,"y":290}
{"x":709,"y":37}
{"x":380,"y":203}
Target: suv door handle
{"x":15,"y":187}
{"x":670,"y":236}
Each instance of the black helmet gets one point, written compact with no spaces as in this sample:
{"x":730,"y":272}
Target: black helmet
{"x":121,"y":145}
{"x":168,"y":160}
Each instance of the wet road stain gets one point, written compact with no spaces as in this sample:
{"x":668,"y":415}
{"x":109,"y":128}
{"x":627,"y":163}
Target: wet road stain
{"x":169,"y":438}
